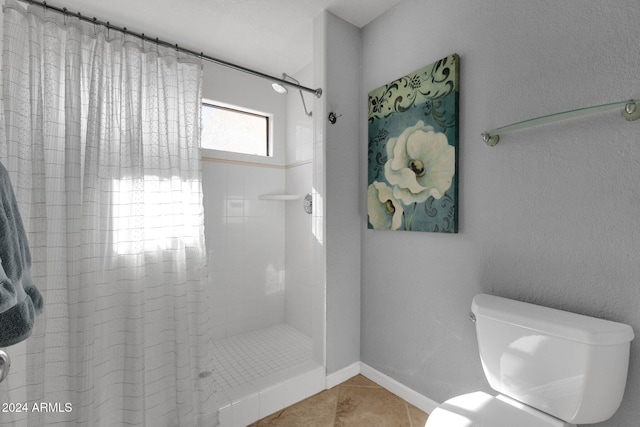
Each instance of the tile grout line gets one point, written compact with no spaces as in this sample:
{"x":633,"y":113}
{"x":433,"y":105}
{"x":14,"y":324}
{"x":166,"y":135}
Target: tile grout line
{"x":406,"y":406}
{"x":335,"y":410}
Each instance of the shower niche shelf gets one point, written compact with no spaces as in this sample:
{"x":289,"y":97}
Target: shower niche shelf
{"x":283,"y":197}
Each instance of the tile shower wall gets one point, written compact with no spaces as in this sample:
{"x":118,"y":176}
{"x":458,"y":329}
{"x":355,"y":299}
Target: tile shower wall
{"x":298,"y":247}
{"x":245,"y":245}
{"x":299,"y":255}
{"x":254,"y":245}
{"x":245,"y":235}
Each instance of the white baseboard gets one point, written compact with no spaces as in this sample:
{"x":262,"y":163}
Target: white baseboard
{"x":416,"y":399}
{"x":342,"y":375}
{"x":304,"y":381}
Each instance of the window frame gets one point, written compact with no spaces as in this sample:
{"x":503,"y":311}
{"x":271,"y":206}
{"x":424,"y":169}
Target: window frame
{"x":236,"y":109}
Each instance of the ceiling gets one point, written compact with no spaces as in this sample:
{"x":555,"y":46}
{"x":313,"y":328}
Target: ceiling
{"x":270,"y":36}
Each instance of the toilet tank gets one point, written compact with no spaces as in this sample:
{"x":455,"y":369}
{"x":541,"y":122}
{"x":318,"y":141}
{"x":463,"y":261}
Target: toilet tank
{"x":568,"y":365}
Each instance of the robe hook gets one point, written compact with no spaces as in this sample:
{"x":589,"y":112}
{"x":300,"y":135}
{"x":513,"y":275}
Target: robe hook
{"x":333,"y":118}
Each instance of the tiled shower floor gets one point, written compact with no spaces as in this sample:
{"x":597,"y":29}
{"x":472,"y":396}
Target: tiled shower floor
{"x":250,"y":357}
{"x":261,"y":372}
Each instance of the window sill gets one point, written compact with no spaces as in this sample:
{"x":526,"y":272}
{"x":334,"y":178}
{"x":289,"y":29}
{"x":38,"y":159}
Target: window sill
{"x":284,"y":197}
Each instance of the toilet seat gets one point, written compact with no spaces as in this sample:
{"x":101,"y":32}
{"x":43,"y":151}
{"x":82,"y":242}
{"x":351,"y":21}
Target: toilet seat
{"x":480,"y":409}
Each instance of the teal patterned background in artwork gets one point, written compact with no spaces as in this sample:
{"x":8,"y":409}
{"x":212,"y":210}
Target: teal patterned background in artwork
{"x":413,"y":151}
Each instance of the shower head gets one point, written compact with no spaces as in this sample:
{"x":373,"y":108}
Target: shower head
{"x":283,"y":90}
{"x":279,"y":88}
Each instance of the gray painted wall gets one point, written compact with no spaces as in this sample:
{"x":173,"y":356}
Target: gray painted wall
{"x":337,"y":62}
{"x":550,"y":215}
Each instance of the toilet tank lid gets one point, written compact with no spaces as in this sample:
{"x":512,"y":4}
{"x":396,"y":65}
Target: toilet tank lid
{"x":550,"y":321}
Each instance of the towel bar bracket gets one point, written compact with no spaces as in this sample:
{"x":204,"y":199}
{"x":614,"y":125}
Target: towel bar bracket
{"x":631,"y":111}
{"x":490,"y":140}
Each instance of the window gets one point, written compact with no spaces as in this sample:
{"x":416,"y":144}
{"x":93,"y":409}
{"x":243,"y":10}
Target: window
{"x":229,"y":129}
{"x":153,"y":214}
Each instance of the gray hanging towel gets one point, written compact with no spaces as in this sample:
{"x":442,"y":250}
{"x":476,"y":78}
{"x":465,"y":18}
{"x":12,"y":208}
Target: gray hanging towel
{"x":20,"y":300}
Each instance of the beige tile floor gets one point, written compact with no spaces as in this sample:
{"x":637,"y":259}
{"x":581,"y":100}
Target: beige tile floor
{"x":358,"y":402}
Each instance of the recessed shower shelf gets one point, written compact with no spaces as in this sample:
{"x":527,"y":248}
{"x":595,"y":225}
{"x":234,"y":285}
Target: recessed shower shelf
{"x":630,"y":111}
{"x":280,"y":197}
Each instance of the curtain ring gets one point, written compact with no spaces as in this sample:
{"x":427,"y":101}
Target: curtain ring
{"x":108,"y":30}
{"x":142,"y":41}
{"x":95,"y":31}
{"x":64,"y":13}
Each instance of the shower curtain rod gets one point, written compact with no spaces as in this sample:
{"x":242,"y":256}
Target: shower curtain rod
{"x":95,"y":21}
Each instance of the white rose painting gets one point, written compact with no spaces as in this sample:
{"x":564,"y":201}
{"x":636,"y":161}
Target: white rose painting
{"x":385,"y":212}
{"x":413,"y":138}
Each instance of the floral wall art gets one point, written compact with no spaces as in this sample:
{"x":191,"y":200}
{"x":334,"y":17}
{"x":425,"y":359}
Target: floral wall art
{"x":413,"y":149}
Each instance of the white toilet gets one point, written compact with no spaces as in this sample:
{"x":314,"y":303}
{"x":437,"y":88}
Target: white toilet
{"x":552,"y":368}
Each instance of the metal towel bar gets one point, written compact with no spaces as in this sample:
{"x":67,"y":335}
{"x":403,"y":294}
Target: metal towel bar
{"x":631,"y":111}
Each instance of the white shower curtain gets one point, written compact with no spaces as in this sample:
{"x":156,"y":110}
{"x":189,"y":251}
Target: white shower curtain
{"x":101,"y":139}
